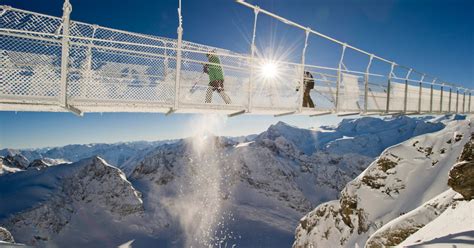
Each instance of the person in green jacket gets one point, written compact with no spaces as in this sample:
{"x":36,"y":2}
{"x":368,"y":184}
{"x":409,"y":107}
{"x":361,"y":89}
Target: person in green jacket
{"x":216,"y":78}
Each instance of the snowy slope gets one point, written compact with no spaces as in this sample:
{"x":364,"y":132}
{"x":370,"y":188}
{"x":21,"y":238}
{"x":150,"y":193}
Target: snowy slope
{"x":453,"y":228}
{"x":37,"y":205}
{"x":403,"y":178}
{"x":461,"y":180}
{"x":397,"y":230}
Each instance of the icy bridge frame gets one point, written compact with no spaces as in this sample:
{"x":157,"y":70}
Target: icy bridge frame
{"x":55,"y":64}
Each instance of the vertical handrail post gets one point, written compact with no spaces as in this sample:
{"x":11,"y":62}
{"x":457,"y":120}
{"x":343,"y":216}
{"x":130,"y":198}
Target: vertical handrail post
{"x":464,"y":101}
{"x":302,"y":84}
{"x":431,"y":98}
{"x":457,"y":100}
{"x":405,"y":100}
{"x":420,"y":93}
{"x":252,"y":59}
{"x":469,"y":107}
{"x":366,"y":84}
{"x":339,"y":77}
{"x":387,"y":107}
{"x":450,"y":97}
{"x":431,"y":95}
{"x":67,"y":9}
{"x":441,"y":100}
{"x":178,"y":58}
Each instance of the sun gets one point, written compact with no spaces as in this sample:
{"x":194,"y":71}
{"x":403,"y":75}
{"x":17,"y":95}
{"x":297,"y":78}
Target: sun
{"x":269,"y":69}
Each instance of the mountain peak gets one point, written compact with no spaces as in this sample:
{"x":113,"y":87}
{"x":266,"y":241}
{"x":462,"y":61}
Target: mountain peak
{"x":303,"y":139}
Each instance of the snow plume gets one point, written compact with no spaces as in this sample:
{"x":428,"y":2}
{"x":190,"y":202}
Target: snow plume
{"x":200,"y":202}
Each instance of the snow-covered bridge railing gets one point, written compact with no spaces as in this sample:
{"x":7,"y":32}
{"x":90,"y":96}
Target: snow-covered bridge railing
{"x":53,"y":64}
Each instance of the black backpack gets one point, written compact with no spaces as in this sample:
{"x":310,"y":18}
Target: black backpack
{"x":309,"y":81}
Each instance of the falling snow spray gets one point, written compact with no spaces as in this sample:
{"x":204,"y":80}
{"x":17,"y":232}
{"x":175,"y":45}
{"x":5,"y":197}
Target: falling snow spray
{"x":202,"y":193}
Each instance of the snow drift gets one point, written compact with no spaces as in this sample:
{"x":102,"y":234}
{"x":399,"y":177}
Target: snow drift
{"x":397,"y":186}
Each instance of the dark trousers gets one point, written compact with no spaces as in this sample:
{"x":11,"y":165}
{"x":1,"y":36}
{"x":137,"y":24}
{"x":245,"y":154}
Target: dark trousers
{"x":307,"y":99}
{"x":218,"y":86}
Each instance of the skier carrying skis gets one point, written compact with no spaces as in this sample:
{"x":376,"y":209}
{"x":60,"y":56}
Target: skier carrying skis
{"x":308,"y":84}
{"x":216,"y":78}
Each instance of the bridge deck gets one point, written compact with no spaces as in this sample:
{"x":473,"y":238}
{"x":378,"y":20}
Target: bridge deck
{"x":109,"y":70}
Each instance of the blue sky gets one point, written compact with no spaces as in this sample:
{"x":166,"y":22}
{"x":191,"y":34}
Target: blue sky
{"x":432,"y":36}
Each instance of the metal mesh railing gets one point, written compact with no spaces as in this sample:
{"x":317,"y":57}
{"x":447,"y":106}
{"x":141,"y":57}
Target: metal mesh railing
{"x":114,"y":70}
{"x":29,"y":61}
{"x":196,"y":88}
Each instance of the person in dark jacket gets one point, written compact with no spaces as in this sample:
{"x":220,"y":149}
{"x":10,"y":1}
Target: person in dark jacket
{"x":308,"y":84}
{"x":216,"y":78}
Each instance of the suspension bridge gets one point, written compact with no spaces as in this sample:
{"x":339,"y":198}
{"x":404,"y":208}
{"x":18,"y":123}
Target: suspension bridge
{"x":56,"y":64}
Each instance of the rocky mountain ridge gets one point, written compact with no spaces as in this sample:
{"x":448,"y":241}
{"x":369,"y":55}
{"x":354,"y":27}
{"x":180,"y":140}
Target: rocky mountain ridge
{"x":390,"y":200}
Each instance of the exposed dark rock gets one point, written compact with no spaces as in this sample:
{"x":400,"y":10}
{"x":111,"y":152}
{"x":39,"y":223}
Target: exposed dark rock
{"x":461,"y":176}
{"x":468,"y":151}
{"x":461,"y":179}
{"x":394,"y":237}
{"x":6,"y":236}
{"x":428,"y":151}
{"x":16,"y":161}
{"x":38,"y":164}
{"x":348,"y":207}
{"x":386,"y":164}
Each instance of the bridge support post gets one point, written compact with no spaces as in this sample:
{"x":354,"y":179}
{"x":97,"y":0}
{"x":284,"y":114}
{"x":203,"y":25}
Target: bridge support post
{"x":450,"y":94}
{"x":464,"y":102}
{"x":431,"y":96}
{"x":252,"y":59}
{"x":366,"y":84}
{"x":178,"y":59}
{"x":441,"y":100}
{"x":420,"y":93}
{"x":405,"y":100}
{"x":302,"y":84}
{"x":339,"y":77}
{"x":67,"y":9}
{"x":457,"y":100}
{"x":388,"y":88}
{"x":469,"y":106}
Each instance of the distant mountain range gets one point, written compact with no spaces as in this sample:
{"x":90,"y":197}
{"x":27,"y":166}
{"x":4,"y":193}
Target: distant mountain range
{"x":249,"y":191}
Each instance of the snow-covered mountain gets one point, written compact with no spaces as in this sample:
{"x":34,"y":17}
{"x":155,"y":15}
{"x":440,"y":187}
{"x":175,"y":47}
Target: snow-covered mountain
{"x":38,"y":206}
{"x":365,"y":136}
{"x":11,"y":164}
{"x":402,"y":191}
{"x":199,"y":191}
{"x":117,"y":154}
